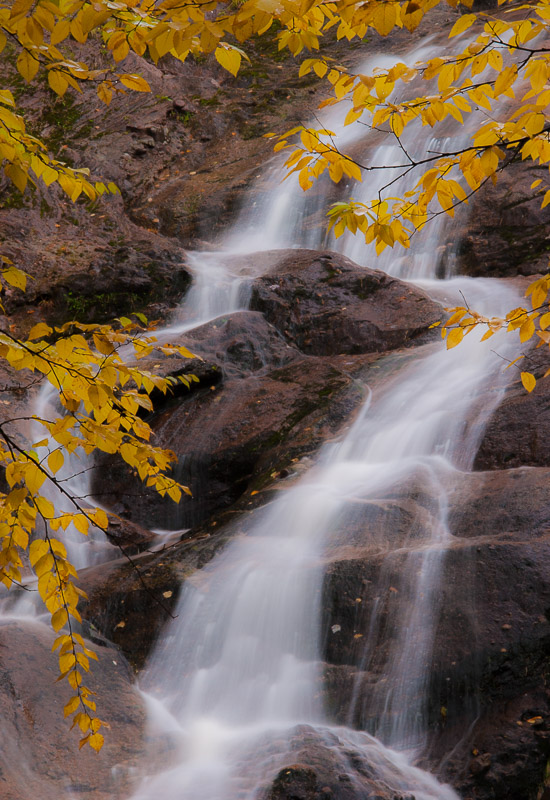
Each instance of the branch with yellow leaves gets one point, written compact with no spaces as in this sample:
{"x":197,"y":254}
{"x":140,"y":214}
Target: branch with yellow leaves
{"x":533,"y":324}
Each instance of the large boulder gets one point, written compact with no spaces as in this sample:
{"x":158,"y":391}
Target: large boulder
{"x":518,"y":431}
{"x":325,"y":304}
{"x":267,"y":396}
{"x":39,"y":756}
{"x":506,"y":232}
{"x":232,"y":434}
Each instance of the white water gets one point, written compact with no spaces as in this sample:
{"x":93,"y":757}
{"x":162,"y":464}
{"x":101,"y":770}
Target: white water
{"x":235,"y":681}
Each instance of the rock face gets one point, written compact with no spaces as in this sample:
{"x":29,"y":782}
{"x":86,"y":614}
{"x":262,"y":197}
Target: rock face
{"x":39,"y":757}
{"x":327,"y":305}
{"x":268,"y":397}
{"x":506,"y":233}
{"x":519,"y":430}
{"x":489,"y":661}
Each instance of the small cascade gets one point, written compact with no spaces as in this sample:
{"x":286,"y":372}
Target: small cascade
{"x":236,"y":679}
{"x":235,"y":684}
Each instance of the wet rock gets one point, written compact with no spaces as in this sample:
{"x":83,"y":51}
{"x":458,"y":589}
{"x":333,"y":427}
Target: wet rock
{"x":489,"y":659}
{"x":506,"y":233}
{"x":273,"y":405}
{"x":39,"y":755}
{"x":327,"y":767}
{"x":480,"y":764}
{"x":128,"y":537}
{"x":298,"y":782}
{"x":324,"y":304}
{"x":518,"y":432}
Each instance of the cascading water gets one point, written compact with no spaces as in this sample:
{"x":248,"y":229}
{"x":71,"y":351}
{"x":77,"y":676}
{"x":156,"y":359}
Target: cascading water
{"x":236,"y":678}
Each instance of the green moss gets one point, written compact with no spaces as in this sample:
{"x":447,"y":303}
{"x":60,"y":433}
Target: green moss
{"x":63,"y":115}
{"x":100,"y":306}
{"x":13,"y":198}
{"x":207,"y":101}
{"x":45,"y":208}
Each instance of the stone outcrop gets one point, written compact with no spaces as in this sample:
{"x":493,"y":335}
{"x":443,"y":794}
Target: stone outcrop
{"x":327,"y":305}
{"x":506,"y":232}
{"x":267,"y":396}
{"x":519,"y":430}
{"x":39,"y":757}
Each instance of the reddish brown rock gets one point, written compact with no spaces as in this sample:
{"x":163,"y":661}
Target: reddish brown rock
{"x":325,"y":304}
{"x":506,"y":232}
{"x":39,"y":756}
{"x":518,"y":432}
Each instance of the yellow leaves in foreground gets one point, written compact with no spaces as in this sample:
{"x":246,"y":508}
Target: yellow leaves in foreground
{"x":529,"y":324}
{"x":481,"y":73}
{"x":103,"y":397}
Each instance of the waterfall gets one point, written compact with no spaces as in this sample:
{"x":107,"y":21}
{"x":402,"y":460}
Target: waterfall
{"x":235,"y":680}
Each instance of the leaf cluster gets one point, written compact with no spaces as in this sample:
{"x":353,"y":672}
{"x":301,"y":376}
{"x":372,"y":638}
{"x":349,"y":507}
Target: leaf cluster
{"x":505,"y":60}
{"x":103,"y":391}
{"x":533,"y":324}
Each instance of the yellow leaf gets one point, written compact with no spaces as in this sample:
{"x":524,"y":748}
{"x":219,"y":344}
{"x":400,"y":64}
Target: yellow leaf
{"x":412,"y":15}
{"x":34,"y":477}
{"x":37,"y":549}
{"x":60,"y":31}
{"x":81,"y":523}
{"x":526,"y":330}
{"x":465,"y":22}
{"x":38,"y":331}
{"x":454,"y":337}
{"x":384,"y":18}
{"x":528,"y":380}
{"x":105,"y":93}
{"x":71,"y":706}
{"x":57,"y":82}
{"x":495,"y":60}
{"x":56,"y":461}
{"x":75,"y":679}
{"x":27,"y":65}
{"x":15,"y":277}
{"x":100,"y":518}
{"x":44,"y":506}
{"x":228,"y":58}
{"x":58,"y":620}
{"x":96,"y":741}
{"x":17,"y":175}
{"x":135,"y":82}
{"x":44,"y":565}
{"x":103,"y":344}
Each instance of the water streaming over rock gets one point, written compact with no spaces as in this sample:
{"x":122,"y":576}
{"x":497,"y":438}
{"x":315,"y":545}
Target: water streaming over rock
{"x":235,"y":684}
{"x":236,"y":678}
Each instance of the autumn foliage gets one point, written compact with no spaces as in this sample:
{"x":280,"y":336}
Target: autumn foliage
{"x":502,"y":57}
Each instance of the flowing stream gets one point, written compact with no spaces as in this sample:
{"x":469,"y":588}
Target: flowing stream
{"x":236,"y":678}
{"x":235,"y":683}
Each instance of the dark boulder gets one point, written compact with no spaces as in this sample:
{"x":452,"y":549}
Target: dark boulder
{"x":273,"y":405}
{"x":506,"y":232}
{"x":518,"y":432}
{"x":325,"y":304}
{"x":486,"y":677}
